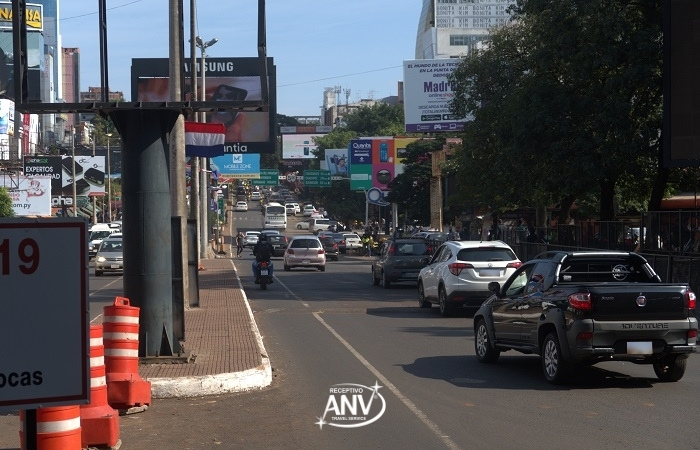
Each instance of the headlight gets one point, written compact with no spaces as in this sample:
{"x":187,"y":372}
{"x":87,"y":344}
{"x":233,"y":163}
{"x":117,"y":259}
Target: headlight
{"x":101,"y":259}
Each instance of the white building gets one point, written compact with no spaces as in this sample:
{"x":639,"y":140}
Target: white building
{"x":451,"y":28}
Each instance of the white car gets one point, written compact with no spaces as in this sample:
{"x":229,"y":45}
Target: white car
{"x":297,"y":208}
{"x":352,"y":241}
{"x":459,"y":272}
{"x":308,"y":210}
{"x":250,"y":238}
{"x":303,"y":225}
{"x":305,"y":251}
{"x":291,"y":210}
{"x":255,"y":195}
{"x":241,"y":206}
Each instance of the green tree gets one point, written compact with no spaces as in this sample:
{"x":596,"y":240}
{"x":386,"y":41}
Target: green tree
{"x":581,"y":117}
{"x":6,"y":204}
{"x":411,"y":189}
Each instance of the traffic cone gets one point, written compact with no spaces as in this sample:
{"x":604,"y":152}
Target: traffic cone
{"x":125,"y":387}
{"x":57,"y":428}
{"x":99,"y":421}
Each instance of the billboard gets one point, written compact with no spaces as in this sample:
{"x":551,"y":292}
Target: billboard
{"x":31,"y":196}
{"x":336,"y":161}
{"x":89,"y":174}
{"x":383,"y":160}
{"x":295,"y":146}
{"x":227,"y":79}
{"x":427,"y":96}
{"x":360,"y":164}
{"x":237,"y":166}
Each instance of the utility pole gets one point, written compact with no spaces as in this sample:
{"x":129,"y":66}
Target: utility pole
{"x":94,"y":198}
{"x":194,"y":161}
{"x":75,"y":196}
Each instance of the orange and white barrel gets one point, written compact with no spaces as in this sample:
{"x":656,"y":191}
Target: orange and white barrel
{"x":121,"y":337}
{"x":57,"y":428}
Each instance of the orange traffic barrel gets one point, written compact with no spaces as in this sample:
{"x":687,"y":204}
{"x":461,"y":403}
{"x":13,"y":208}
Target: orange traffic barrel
{"x":125,"y":388}
{"x":99,"y":421}
{"x":57,"y":428}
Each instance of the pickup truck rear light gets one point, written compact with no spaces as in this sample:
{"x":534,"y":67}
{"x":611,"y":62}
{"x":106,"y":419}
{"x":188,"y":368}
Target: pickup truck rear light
{"x":581,"y":301}
{"x":514,"y":265}
{"x":690,"y":299}
{"x":456,"y":268}
{"x":585,"y":336}
{"x":692,"y":334}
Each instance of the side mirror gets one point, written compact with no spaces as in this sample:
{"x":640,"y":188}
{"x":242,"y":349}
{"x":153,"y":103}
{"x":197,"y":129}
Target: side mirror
{"x":494,"y":287}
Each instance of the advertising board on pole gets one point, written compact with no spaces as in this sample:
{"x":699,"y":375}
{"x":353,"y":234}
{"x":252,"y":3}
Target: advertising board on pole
{"x":427,"y":95}
{"x":31,"y":196}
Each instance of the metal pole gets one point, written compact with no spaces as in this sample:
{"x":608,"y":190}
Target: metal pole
{"x":94,"y":198}
{"x":203,"y":185}
{"x":194,"y":161}
{"x":75,"y":197}
{"x":109,"y":183}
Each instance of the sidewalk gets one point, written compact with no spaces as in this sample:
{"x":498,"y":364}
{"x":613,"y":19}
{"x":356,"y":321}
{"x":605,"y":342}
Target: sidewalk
{"x":222,"y":335}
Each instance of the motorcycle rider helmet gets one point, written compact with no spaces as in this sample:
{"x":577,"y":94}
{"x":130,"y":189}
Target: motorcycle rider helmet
{"x":263,"y":237}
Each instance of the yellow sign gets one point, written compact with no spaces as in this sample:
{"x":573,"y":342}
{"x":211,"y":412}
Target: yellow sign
{"x":34,"y":16}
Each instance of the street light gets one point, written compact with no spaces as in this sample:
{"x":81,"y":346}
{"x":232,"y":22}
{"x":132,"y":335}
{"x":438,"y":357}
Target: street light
{"x":109,"y":182}
{"x":203,"y":184}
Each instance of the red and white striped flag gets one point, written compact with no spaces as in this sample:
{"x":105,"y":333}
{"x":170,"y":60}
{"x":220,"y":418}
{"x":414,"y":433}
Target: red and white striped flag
{"x":205,"y":140}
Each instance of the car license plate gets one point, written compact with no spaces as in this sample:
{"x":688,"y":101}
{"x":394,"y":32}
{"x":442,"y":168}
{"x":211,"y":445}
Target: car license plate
{"x":304,"y":261}
{"x":114,"y":266}
{"x":490,"y":272}
{"x":639,"y":348}
{"x":263,"y":272}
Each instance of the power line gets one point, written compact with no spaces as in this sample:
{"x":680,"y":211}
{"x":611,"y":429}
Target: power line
{"x":339,"y":76}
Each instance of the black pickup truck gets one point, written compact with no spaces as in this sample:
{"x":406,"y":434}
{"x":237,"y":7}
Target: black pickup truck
{"x":581,"y":308}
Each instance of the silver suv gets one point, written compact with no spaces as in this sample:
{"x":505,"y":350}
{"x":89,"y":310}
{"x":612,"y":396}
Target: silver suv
{"x":459,"y":273}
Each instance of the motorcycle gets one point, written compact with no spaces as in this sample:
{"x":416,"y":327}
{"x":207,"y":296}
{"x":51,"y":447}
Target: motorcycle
{"x":264,"y":271}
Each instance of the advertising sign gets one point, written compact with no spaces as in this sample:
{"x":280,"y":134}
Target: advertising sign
{"x":227,"y":79}
{"x":89,"y":174}
{"x":34,"y":16}
{"x":382,"y":162}
{"x":237,"y":165}
{"x":31,"y":196}
{"x":360,"y":164}
{"x":44,"y":285}
{"x":298,"y":146}
{"x":427,"y":94}
{"x":337,"y":162}
{"x":400,"y":144}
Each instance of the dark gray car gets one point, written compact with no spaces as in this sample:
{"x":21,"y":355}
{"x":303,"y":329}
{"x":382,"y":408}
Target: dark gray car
{"x":399,"y":259}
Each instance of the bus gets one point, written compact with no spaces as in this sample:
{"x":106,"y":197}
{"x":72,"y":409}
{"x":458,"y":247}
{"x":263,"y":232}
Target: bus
{"x":275,"y":216}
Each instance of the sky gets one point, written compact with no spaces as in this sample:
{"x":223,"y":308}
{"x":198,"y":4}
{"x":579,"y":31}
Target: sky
{"x":358,"y":45}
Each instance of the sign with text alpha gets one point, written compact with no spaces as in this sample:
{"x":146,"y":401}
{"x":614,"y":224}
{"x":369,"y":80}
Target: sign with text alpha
{"x":44,"y":315}
{"x":317,"y":178}
{"x":268,"y":177}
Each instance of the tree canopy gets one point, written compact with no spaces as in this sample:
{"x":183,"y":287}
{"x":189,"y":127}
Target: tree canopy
{"x":6,"y":204}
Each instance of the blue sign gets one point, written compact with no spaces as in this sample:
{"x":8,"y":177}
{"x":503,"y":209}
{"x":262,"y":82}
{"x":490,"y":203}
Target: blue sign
{"x":360,"y":151}
{"x":238,"y":165}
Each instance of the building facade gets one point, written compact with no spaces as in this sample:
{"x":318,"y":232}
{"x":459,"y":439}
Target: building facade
{"x":452,"y":28}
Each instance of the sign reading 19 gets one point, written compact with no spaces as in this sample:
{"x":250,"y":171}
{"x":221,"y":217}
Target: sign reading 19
{"x":28,"y":253}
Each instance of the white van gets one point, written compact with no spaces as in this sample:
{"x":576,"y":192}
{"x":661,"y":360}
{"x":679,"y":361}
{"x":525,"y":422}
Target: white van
{"x":317,"y":224}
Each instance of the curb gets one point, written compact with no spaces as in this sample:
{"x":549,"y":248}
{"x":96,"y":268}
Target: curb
{"x":223,"y":383}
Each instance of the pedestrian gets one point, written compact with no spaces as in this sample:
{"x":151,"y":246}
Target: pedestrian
{"x":239,"y":244}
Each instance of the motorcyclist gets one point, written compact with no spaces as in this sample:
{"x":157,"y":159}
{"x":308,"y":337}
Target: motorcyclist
{"x":262,"y":251}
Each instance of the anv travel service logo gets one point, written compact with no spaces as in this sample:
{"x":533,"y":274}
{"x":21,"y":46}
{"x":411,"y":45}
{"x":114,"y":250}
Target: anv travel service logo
{"x":352,"y":405}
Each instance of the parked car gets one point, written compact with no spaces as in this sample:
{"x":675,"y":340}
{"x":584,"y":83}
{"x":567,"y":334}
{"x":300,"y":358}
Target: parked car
{"x":303,"y":225}
{"x":330,"y":246}
{"x":250,"y":238}
{"x":241,"y":206}
{"x":279,"y":243}
{"x":305,"y":251}
{"x":110,"y":256}
{"x":399,"y":259}
{"x":459,"y":273}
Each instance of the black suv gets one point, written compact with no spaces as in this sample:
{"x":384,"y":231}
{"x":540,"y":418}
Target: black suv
{"x":400,"y":259}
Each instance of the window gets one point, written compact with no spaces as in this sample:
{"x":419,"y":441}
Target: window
{"x":462,"y":39}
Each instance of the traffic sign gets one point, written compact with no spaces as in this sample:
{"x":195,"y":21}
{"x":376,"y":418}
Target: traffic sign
{"x":44,"y":285}
{"x":317,"y":178}
{"x":268,"y":177}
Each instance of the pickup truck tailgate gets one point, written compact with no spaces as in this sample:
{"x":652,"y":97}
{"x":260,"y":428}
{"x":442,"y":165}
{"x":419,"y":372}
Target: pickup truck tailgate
{"x":651,"y":301}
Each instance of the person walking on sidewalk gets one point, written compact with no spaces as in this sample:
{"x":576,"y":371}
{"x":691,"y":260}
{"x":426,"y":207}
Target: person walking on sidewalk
{"x":239,"y":244}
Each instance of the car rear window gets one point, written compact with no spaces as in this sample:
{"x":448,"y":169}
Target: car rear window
{"x":486,"y":254}
{"x":412,"y":249}
{"x":306,"y":243}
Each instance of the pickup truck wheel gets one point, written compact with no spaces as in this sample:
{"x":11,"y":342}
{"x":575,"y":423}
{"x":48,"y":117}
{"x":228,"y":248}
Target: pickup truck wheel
{"x":670,"y":368}
{"x":485,"y":352}
{"x":556,"y":370}
{"x":445,"y":307}
{"x":422,"y":302}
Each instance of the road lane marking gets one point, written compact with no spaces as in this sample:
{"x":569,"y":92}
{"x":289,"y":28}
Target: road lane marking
{"x":432,"y":426}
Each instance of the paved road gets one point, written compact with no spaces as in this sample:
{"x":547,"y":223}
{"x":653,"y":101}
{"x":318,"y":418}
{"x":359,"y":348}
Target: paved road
{"x":326,"y":328}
